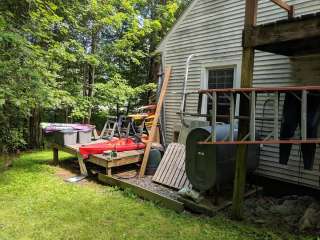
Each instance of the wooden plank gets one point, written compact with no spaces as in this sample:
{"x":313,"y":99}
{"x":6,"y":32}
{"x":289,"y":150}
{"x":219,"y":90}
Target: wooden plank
{"x":132,"y":153}
{"x":98,"y":161}
{"x":165,"y":163}
{"x":179,"y":169}
{"x":246,"y":82}
{"x":285,"y":6}
{"x":262,"y":89}
{"x":143,"y":193}
{"x":120,"y":156}
{"x":171,"y":171}
{"x":265,"y":35}
{"x":282,"y":4}
{"x":162,"y":166}
{"x":251,"y":13}
{"x":183,"y":180}
{"x":124,"y":161}
{"x":155,"y":121}
{"x":82,"y":165}
{"x":271,"y":142}
{"x":169,"y":163}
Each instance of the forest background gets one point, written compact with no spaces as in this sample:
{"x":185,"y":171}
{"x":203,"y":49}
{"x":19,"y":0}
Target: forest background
{"x":76,"y":61}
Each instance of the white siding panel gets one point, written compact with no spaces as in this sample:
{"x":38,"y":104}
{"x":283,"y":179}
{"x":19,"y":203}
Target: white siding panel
{"x":212,"y":31}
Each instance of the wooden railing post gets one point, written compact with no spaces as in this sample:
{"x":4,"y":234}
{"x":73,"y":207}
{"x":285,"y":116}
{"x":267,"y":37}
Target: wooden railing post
{"x":246,"y":82}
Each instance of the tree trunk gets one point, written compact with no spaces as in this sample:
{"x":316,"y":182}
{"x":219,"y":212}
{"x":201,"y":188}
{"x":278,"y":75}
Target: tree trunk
{"x":154,"y":69}
{"x":155,"y":61}
{"x":91,"y":74}
{"x":34,"y":128}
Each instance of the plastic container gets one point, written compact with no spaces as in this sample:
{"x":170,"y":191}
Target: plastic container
{"x":65,"y":137}
{"x":84,"y":136}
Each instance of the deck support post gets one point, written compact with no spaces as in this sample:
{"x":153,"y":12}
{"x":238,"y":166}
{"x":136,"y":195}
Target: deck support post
{"x":55,"y":156}
{"x":214,"y":117}
{"x":246,"y":82}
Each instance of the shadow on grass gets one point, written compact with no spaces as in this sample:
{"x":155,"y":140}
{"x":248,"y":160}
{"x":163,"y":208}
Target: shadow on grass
{"x":36,"y":161}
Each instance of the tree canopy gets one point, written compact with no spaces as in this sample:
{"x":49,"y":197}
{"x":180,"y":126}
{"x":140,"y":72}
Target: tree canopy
{"x":73,"y":60}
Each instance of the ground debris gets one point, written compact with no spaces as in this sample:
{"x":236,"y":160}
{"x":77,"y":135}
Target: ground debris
{"x":310,"y":219}
{"x":294,"y":213}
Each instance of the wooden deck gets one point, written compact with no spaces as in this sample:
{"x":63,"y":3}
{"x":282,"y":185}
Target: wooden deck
{"x":292,"y":37}
{"x":122,"y":158}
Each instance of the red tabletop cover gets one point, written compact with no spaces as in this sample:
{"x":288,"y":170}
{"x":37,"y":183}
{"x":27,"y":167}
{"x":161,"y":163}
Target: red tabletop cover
{"x":117,"y":145}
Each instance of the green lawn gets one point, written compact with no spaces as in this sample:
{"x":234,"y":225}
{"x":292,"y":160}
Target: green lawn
{"x":37,"y":204}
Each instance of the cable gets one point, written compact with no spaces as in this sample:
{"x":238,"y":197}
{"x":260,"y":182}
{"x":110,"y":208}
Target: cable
{"x":263,"y":113}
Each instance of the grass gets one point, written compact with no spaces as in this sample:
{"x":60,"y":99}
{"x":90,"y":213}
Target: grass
{"x":37,"y":204}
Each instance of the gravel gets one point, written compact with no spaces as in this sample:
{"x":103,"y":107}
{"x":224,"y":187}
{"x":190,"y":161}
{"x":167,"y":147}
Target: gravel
{"x":148,"y":184}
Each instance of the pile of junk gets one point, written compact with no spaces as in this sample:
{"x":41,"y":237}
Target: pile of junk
{"x":119,"y":133}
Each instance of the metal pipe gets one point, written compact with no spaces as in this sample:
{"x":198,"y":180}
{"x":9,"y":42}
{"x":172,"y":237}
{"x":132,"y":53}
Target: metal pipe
{"x":183,"y":102}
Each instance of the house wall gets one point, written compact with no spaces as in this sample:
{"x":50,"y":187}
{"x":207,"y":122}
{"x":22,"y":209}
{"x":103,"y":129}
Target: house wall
{"x":212,"y":30}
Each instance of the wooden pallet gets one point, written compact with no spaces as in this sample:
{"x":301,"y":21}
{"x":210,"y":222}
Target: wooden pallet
{"x":171,"y":171}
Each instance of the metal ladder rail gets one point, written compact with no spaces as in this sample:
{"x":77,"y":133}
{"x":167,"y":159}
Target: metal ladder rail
{"x":251,"y":94}
{"x":232,"y":117}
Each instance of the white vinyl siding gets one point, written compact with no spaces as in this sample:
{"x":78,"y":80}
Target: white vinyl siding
{"x":212,"y":30}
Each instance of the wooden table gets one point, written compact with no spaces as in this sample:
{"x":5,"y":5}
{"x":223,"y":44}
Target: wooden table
{"x":122,"y":158}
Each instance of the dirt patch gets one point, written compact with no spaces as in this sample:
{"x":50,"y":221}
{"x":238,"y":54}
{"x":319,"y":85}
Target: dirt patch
{"x":69,"y":169}
{"x":293,"y":213}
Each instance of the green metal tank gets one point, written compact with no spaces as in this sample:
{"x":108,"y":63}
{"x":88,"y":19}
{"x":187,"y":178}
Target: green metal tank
{"x":211,"y":165}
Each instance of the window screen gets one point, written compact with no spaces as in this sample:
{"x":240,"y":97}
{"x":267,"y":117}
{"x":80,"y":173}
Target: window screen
{"x":221,"y":78}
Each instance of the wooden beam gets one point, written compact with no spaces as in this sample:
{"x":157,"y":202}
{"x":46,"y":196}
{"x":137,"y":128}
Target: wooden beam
{"x":285,"y":6}
{"x":262,"y":89}
{"x":143,"y":193}
{"x":300,"y":29}
{"x":246,"y":82}
{"x":155,"y":121}
{"x":251,"y":13}
{"x":264,"y":142}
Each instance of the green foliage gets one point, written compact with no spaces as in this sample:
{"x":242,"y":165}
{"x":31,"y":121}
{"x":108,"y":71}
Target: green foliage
{"x":12,"y":139}
{"x":75,"y":56}
{"x":117,"y":91}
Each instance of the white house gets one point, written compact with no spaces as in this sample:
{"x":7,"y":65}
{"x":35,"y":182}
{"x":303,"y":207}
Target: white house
{"x":212,"y":30}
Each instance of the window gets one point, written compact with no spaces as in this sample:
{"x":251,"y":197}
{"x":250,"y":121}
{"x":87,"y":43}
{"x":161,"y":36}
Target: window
{"x":221,"y":78}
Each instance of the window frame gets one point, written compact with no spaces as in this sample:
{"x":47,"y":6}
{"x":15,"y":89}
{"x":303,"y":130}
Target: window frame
{"x":218,"y":65}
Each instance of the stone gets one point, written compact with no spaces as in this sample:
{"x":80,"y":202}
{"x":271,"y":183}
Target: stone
{"x":260,"y":221}
{"x":259,"y":211}
{"x":291,"y":206}
{"x":310,"y":219}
